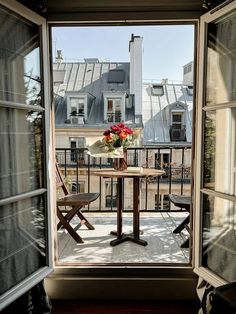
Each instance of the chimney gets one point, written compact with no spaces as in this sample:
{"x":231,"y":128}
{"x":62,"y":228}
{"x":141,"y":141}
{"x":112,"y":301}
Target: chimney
{"x":188,"y":74}
{"x":136,"y":75}
{"x":59,"y":57}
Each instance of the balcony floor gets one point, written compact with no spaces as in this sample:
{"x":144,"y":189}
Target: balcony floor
{"x":163,"y":245}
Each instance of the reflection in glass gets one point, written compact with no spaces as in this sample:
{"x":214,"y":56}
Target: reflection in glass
{"x":219,"y":151}
{"x":32,"y":81}
{"x":19,"y":54}
{"x":21,"y":151}
{"x":219,"y":236}
{"x":22,"y":240}
{"x":22,"y":222}
{"x":221,"y":57}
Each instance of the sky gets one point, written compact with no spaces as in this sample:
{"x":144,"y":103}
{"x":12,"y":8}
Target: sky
{"x":166,"y":48}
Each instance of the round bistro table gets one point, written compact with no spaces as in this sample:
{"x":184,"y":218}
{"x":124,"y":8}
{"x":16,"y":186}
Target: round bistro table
{"x":121,"y":175}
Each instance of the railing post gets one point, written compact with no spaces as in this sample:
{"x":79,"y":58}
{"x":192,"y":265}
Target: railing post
{"x":170,"y":171}
{"x":182,"y":172}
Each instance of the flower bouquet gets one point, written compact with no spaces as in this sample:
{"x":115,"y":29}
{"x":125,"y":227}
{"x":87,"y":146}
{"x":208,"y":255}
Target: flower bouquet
{"x":114,"y":143}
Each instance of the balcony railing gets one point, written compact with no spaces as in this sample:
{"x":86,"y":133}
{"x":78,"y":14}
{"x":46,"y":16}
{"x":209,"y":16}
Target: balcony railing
{"x":77,"y":167}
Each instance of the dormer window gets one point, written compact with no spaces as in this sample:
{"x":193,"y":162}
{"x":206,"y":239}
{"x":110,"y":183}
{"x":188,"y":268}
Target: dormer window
{"x":177,"y":120}
{"x":177,"y":128}
{"x":114,"y":107}
{"x":157,"y":90}
{"x":77,"y":109}
{"x":114,"y":110}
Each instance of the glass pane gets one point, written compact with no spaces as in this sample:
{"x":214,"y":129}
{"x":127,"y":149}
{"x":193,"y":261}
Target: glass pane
{"x":21,"y":153}
{"x":221,"y":56}
{"x":19,"y":59}
{"x":22,"y":240}
{"x":219,"y":236}
{"x":219,"y":151}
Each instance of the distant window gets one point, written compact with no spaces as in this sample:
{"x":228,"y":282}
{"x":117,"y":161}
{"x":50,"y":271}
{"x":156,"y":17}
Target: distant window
{"x":77,"y":110}
{"x":73,"y":151}
{"x":111,"y":194}
{"x":78,"y":187}
{"x":157,"y":90}
{"x":76,"y":154}
{"x":177,"y":118}
{"x":81,"y":142}
{"x":77,"y":106}
{"x":162,"y":161}
{"x":116,"y":76}
{"x":111,"y":188}
{"x":188,"y":68}
{"x":114,"y":110}
{"x":177,"y":129}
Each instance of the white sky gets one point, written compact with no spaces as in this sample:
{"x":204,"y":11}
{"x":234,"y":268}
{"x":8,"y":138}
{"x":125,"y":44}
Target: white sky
{"x":165,"y":48}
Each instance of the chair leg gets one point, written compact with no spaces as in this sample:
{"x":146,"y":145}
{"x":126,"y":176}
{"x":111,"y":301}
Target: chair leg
{"x":185,"y":244}
{"x":85,"y":221}
{"x":68,"y":227}
{"x":181,"y":226}
{"x":69,"y":216}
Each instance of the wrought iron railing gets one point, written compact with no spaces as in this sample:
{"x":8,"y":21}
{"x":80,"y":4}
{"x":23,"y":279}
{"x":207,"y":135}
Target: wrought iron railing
{"x":77,"y":167}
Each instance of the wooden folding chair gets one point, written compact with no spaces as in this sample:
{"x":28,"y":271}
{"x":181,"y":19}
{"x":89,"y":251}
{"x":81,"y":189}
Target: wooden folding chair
{"x":182,"y":201}
{"x":72,"y":203}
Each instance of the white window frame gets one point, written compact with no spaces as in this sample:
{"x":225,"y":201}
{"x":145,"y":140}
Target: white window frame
{"x":201,"y":271}
{"x":84,"y":97}
{"x":26,"y":284}
{"x":114,"y":95}
{"x":178,"y":112}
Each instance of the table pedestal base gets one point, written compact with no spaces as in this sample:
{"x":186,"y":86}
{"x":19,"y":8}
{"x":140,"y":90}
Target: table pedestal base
{"x":127,"y":237}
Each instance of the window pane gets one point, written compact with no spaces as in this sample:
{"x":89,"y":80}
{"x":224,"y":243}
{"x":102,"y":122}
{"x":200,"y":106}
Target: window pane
{"x":219,"y":236}
{"x":19,"y":55}
{"x":219,"y":151}
{"x":22,"y":222}
{"x":221,"y":55}
{"x":176,"y":117}
{"x":22,"y":240}
{"x":21,"y":153}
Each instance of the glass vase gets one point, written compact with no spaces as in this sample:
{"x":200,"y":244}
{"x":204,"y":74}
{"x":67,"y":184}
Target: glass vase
{"x":120,"y":164}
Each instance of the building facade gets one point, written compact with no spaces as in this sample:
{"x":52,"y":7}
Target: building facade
{"x":92,"y":95}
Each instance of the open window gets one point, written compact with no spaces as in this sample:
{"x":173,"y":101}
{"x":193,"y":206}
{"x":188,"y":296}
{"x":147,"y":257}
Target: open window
{"x":114,"y":107}
{"x":77,"y":109}
{"x":215,"y":188}
{"x":25,"y":255}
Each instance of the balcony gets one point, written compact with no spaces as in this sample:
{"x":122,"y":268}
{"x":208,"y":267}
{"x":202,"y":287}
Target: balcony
{"x":158,"y":217}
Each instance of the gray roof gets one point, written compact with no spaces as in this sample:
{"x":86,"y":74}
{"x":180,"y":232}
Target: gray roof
{"x":90,"y":78}
{"x":156,"y":112}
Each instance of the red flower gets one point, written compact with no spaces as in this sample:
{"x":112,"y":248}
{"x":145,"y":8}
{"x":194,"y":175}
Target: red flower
{"x":115,"y":129}
{"x":127,"y":130}
{"x":120,"y":125}
{"x":107,"y":132}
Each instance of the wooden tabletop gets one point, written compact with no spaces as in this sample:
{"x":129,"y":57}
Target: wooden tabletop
{"x":129,"y":173}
